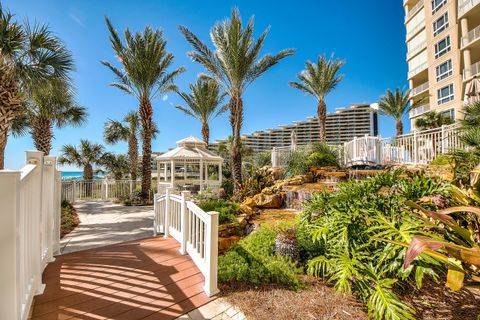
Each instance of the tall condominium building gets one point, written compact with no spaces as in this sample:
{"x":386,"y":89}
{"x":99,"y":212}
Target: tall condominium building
{"x":443,"y":53}
{"x":342,"y":126}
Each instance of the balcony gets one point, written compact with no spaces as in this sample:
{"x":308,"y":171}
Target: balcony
{"x":416,"y":8}
{"x":466,"y":5}
{"x":418,"y":90}
{"x":417,"y":70}
{"x":471,"y":37}
{"x":419,"y":27}
{"x":417,"y":49}
{"x":419,"y":110}
{"x":472,"y":71}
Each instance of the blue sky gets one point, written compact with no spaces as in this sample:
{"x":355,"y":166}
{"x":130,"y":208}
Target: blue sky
{"x":369,"y":35}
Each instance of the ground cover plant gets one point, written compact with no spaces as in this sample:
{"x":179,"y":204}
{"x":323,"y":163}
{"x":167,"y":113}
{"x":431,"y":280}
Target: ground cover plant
{"x":228,"y":211}
{"x":351,"y":227}
{"x":69,"y":218}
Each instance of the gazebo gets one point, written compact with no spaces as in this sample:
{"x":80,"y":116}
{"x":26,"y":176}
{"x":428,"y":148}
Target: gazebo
{"x":190,"y":166}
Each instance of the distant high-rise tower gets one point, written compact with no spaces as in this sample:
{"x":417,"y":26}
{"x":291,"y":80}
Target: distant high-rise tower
{"x":443,"y":52}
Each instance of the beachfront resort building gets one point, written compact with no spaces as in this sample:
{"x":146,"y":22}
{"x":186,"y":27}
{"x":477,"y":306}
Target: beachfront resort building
{"x":342,"y":125}
{"x":443,"y":53}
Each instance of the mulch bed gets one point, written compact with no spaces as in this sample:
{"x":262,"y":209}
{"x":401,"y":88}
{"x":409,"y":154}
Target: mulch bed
{"x":69,"y":220}
{"x":320,"y":301}
{"x":317,"y":301}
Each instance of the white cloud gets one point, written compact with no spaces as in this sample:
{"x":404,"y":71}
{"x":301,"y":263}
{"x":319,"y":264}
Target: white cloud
{"x":77,"y":20}
{"x":165,"y":97}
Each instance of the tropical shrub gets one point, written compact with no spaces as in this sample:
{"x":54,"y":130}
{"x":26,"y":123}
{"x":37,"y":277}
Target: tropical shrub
{"x":228,"y":211}
{"x":318,"y":159}
{"x":442,"y":160}
{"x":297,"y":163}
{"x":316,"y":155}
{"x":456,"y":246}
{"x":347,"y":226}
{"x":69,"y":218}
{"x":253,"y":260}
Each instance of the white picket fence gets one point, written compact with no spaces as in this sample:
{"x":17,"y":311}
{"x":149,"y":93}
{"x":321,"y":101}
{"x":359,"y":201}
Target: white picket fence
{"x":29,"y":232}
{"x":195,"y":230}
{"x":74,"y":190}
{"x":417,"y":147}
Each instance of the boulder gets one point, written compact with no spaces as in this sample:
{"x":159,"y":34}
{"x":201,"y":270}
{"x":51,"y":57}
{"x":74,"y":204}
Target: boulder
{"x":249,"y":202}
{"x":226,"y":243}
{"x":268,"y":201}
{"x":247,"y":210}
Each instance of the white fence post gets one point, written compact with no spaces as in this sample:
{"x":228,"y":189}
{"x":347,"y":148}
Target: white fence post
{"x":9,"y":198}
{"x":166,"y":232}
{"x":184,"y":222}
{"x":211,"y":255}
{"x":415,"y":147}
{"x":442,"y":139}
{"x":74,"y":188}
{"x":57,"y":204}
{"x":36,"y":158}
{"x":155,"y":213}
{"x":48,"y":206}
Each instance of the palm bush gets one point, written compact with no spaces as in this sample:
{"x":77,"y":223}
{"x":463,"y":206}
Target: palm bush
{"x":345,"y":225}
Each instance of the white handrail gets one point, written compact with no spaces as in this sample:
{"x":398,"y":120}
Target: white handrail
{"x":417,"y":147}
{"x":30,"y":231}
{"x":194,"y":229}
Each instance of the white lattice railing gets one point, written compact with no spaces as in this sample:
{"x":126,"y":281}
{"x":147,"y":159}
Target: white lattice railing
{"x":30,"y":231}
{"x":418,"y":147}
{"x":195,"y":230}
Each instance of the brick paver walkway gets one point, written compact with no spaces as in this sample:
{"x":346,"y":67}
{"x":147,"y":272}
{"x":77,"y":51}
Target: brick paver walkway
{"x":145,"y":279}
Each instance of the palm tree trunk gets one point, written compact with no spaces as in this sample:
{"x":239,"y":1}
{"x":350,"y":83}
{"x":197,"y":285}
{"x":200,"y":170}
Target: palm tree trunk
{"x":236,"y":121}
{"x":3,"y":145}
{"x":133,"y":155}
{"x":205,"y":132}
{"x":88,"y":177}
{"x":322,"y":119}
{"x":10,"y":106}
{"x":146,"y":114}
{"x":42,"y":134}
{"x":399,"y":127}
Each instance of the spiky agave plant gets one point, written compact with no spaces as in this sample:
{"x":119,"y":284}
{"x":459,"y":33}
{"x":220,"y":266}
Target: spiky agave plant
{"x":286,"y":243}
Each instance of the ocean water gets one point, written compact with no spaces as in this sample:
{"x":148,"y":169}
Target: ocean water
{"x":79,"y":175}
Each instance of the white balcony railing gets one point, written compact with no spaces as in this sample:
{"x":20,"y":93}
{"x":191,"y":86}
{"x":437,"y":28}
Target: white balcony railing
{"x":419,"y":110}
{"x":472,"y":35}
{"x":472,"y":71}
{"x":418,"y":69}
{"x":416,"y":29}
{"x":415,"y":50}
{"x":420,"y":89}
{"x":466,"y":5}
{"x":413,"y":11}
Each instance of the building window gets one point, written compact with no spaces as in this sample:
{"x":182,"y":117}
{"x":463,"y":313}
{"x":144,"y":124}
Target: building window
{"x":440,"y":24}
{"x":437,"y":5}
{"x":449,"y":113}
{"x":444,"y":70}
{"x":445,"y":94}
{"x":442,"y":47}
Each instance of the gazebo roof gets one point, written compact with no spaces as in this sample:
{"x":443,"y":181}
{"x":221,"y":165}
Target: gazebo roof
{"x":190,"y":148}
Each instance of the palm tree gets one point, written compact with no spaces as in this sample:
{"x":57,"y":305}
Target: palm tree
{"x":51,"y":105}
{"x":143,"y":74}
{"x":203,"y":103}
{"x":234,"y":64}
{"x":128,"y":130}
{"x":86,"y":156}
{"x":319,"y":79}
{"x":29,"y":55}
{"x":432,"y":120}
{"x":470,"y":126}
{"x":396,"y":104}
{"x":115,"y":164}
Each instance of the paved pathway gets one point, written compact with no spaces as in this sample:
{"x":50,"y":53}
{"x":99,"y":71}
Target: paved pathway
{"x":146,"y":279}
{"x":218,"y":309}
{"x":104,"y":223}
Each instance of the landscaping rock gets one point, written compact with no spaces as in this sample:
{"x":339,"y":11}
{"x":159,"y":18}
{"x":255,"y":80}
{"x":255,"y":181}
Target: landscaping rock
{"x":268,"y":201}
{"x":226,"y":243}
